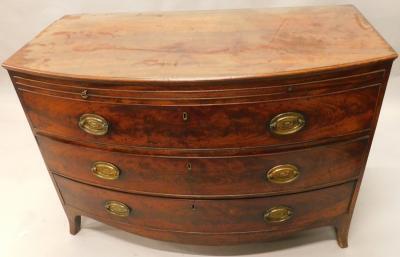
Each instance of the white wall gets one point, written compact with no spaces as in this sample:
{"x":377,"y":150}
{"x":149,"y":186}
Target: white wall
{"x":20,"y":20}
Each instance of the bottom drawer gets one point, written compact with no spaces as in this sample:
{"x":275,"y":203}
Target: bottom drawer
{"x":285,"y":212}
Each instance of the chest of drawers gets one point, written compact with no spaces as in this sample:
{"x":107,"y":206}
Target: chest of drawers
{"x":211,"y":127}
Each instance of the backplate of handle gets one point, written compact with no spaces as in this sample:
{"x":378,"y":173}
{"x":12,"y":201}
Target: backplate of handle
{"x":117,"y":208}
{"x":287,"y":123}
{"x":93,"y":124}
{"x":278,"y":214}
{"x":282,"y":174}
{"x":105,"y":170}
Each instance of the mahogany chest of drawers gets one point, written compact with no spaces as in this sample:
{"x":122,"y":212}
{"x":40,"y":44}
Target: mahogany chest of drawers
{"x":210,"y":127}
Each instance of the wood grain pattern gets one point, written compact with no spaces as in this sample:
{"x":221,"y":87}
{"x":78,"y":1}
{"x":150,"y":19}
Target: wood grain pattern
{"x":205,"y":45}
{"x":219,"y":126}
{"x":216,"y":239}
{"x":208,"y":216}
{"x":208,"y":177}
{"x":244,"y":92}
{"x":354,"y":75}
{"x":201,"y":180}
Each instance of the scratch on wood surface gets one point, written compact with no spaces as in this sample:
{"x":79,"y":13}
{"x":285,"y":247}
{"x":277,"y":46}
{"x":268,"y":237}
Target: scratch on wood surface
{"x":275,"y":35}
{"x":361,"y":22}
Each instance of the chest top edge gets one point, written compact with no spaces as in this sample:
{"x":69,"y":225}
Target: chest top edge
{"x":196,"y":46}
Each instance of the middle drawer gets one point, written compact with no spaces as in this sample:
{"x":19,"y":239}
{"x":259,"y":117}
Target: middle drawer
{"x":269,"y":173}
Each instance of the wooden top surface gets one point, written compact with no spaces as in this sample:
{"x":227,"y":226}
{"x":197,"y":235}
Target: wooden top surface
{"x":201,"y":45}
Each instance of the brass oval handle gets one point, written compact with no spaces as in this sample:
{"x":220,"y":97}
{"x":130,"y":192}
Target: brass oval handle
{"x":93,"y":124}
{"x":278,"y":214}
{"x":287,"y":123}
{"x":105,"y":170}
{"x":117,"y":208}
{"x":282,"y":174}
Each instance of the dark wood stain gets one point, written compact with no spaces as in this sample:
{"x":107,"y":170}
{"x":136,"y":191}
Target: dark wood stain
{"x":189,"y":120}
{"x":219,"y":126}
{"x":208,"y":177}
{"x":234,"y":215}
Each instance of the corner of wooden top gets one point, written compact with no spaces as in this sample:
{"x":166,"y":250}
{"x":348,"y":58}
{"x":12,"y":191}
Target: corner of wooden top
{"x":4,"y":64}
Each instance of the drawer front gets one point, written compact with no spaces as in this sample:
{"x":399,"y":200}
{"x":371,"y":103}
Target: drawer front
{"x":211,"y":216}
{"x":204,"y":127}
{"x":228,"y":176}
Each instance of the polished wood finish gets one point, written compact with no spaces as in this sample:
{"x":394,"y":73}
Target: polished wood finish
{"x":231,"y":217}
{"x":183,"y":125}
{"x":218,"y":126}
{"x":207,"y":177}
{"x":206,"y":45}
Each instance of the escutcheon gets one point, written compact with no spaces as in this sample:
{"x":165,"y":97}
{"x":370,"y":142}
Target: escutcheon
{"x":278,"y":214}
{"x":117,"y":208}
{"x":287,"y":123}
{"x":282,"y":174}
{"x":93,"y":124}
{"x":105,"y":170}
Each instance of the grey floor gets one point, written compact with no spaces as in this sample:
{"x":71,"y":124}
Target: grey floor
{"x":32,"y":222}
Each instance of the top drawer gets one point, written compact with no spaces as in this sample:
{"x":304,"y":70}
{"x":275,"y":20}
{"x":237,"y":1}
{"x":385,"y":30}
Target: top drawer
{"x":273,"y":122}
{"x":234,"y":115}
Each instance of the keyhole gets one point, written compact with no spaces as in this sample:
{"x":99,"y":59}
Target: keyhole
{"x":185,"y":116}
{"x":189,"y":166}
